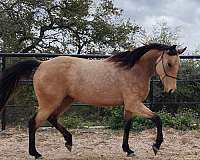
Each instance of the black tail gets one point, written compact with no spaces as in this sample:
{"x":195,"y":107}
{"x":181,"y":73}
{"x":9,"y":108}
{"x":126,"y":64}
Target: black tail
{"x":10,"y":77}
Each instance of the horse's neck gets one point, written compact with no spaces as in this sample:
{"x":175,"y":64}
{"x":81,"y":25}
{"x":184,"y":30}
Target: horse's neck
{"x":148,"y":62}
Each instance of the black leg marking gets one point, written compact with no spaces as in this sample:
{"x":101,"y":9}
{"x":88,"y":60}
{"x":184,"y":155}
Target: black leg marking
{"x":159,"y":139}
{"x":125,"y":145}
{"x":32,"y":130}
{"x":67,"y":135}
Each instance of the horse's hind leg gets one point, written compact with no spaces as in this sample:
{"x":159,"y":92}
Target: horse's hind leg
{"x":53,"y":120}
{"x":66,"y":134}
{"x":32,"y":130}
{"x":34,"y":124}
{"x":47,"y":105}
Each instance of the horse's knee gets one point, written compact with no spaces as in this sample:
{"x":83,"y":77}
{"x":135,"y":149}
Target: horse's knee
{"x":156,"y":119}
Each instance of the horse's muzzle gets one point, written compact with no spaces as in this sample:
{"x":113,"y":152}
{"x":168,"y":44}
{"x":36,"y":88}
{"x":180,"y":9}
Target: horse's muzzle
{"x":165,"y":94}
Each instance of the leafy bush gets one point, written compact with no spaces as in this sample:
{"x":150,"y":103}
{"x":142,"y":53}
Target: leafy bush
{"x":167,"y":119}
{"x":75,"y":121}
{"x":186,"y":119}
{"x":140,"y":123}
{"x":116,"y":118}
{"x":72,"y":121}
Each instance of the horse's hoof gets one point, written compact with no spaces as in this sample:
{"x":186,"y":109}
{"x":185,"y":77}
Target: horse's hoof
{"x":155,"y":149}
{"x":40,"y":158}
{"x":131,"y":154}
{"x":35,"y":154}
{"x":69,"y":147}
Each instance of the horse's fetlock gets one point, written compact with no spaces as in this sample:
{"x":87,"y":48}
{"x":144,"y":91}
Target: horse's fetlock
{"x":68,"y":139}
{"x":125,"y":147}
{"x":34,"y":153}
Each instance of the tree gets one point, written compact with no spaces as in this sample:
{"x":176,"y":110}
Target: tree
{"x":63,"y":26}
{"x":161,"y":33}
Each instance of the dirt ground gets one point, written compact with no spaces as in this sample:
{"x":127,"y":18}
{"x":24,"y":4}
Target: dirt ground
{"x":100,"y":144}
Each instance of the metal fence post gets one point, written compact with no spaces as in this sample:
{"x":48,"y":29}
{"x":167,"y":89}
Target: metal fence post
{"x":3,"y":113}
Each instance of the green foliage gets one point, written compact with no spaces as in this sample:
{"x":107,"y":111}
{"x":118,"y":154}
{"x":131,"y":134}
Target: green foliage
{"x":85,"y":116}
{"x":25,"y":96}
{"x":72,"y":121}
{"x":186,"y":119}
{"x":140,"y":123}
{"x":63,"y":26}
{"x":183,"y":120}
{"x":116,"y":118}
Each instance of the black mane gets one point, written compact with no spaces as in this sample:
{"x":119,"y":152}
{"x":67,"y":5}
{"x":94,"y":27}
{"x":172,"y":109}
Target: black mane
{"x":129,"y":58}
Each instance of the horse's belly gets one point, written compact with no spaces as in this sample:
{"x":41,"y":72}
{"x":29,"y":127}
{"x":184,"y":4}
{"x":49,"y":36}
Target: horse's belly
{"x":102,"y":102}
{"x":103,"y":98}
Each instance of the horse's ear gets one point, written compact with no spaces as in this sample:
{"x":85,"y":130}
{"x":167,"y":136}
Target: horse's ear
{"x":172,"y":48}
{"x":180,"y":51}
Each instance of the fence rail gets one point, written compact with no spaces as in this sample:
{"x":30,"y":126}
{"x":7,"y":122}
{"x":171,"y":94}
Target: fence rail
{"x":4,"y":56}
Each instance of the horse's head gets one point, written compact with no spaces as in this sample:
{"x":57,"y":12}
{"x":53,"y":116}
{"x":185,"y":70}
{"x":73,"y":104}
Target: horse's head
{"x":167,"y":67}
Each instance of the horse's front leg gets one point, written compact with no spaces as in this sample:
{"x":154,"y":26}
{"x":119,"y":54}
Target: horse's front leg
{"x":142,"y":110}
{"x":127,"y":126}
{"x":159,"y":139}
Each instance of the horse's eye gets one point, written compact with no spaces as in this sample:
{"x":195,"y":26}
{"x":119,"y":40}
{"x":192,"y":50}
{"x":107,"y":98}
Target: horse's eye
{"x":169,"y":64}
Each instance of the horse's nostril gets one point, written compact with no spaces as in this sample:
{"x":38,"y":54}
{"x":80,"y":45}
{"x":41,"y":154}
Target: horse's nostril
{"x":170,"y":91}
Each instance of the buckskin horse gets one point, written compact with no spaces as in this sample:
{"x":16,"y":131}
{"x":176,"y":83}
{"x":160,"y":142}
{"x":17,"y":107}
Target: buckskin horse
{"x":122,"y":79}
